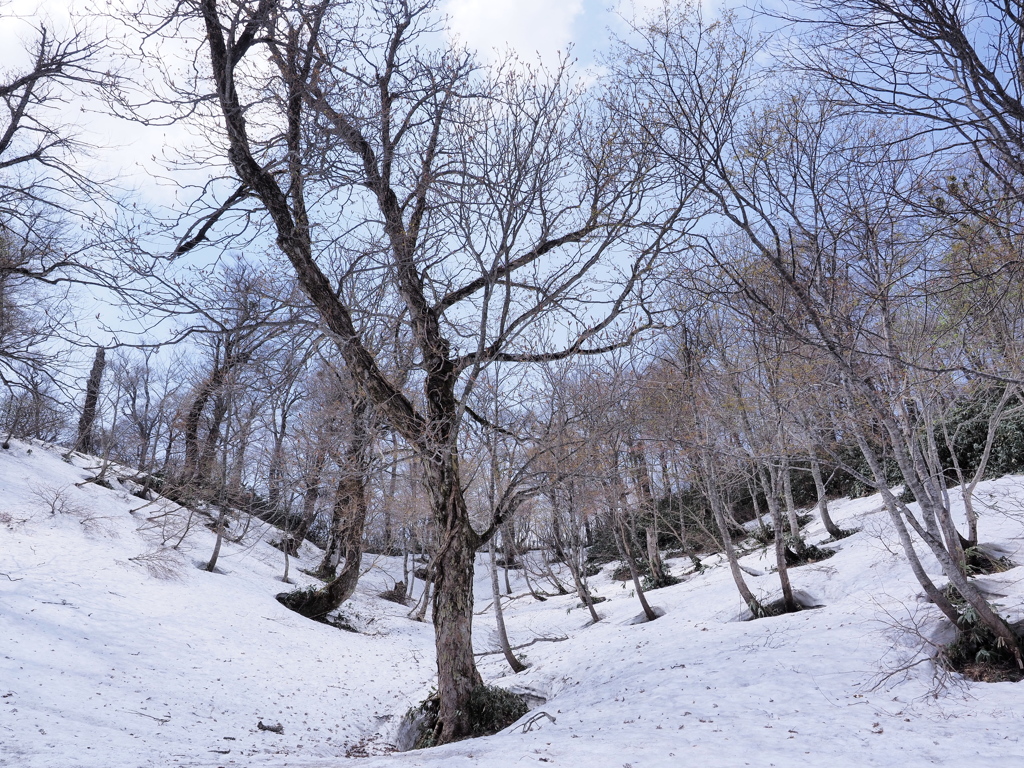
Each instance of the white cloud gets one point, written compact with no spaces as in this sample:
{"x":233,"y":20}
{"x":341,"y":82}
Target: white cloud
{"x":529,"y":27}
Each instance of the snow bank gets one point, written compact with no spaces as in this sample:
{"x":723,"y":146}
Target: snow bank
{"x":115,"y":651}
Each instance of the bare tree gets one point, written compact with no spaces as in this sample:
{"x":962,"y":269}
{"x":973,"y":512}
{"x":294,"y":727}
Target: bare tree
{"x":147,"y":405}
{"x":475,"y":182}
{"x":959,"y":67}
{"x":45,"y":194}
{"x":828,"y":212}
{"x":348,"y":518}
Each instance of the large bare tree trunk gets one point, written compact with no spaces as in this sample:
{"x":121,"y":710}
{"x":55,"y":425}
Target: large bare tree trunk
{"x":192,"y":470}
{"x":85,"y":440}
{"x":457,"y":674}
{"x":213,"y":438}
{"x":403,"y":201}
{"x":351,"y":501}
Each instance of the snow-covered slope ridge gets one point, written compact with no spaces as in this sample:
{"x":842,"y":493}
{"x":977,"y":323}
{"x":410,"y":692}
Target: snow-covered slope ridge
{"x":117,"y":651}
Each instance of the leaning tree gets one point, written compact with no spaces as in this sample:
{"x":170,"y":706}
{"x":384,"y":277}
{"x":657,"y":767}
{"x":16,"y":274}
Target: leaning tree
{"x":829,"y":248}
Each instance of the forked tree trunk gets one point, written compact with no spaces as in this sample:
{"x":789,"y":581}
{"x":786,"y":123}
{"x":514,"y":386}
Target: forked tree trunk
{"x":191,"y":469}
{"x":351,"y":504}
{"x":350,"y":517}
{"x":756,"y":609}
{"x":213,"y":437}
{"x":621,"y":536}
{"x":770,"y":480}
{"x":933,"y":540}
{"x":348,"y":520}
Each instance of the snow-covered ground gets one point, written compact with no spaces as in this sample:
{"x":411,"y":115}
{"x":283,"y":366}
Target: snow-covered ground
{"x":117,"y":652}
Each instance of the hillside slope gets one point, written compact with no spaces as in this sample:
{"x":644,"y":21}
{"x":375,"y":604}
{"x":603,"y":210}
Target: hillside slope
{"x":116,"y":651}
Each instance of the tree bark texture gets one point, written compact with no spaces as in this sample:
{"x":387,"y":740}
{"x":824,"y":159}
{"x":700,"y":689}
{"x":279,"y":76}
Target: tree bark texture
{"x":85,"y":441}
{"x":453,"y":596}
{"x":819,"y":486}
{"x":499,"y":616}
{"x":730,"y":554}
{"x":770,"y":479}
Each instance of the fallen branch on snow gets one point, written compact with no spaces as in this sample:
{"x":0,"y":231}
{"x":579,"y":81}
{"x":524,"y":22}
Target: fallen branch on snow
{"x":528,"y":725}
{"x":524,"y":645}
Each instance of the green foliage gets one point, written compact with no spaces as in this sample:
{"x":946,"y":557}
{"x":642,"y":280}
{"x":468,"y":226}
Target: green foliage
{"x":602,"y":549}
{"x":805,"y":554}
{"x":311,"y":602}
{"x":768,"y":610}
{"x":667,"y":580}
{"x":690,"y":510}
{"x":980,"y":562}
{"x":801,"y":482}
{"x":490,"y":710}
{"x":763,"y":535}
{"x":967,"y":426}
{"x":846,"y":484}
{"x":843,"y":533}
{"x":976,"y":652}
{"x":622,"y":572}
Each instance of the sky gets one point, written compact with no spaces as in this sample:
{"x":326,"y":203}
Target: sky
{"x":532,"y":29}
